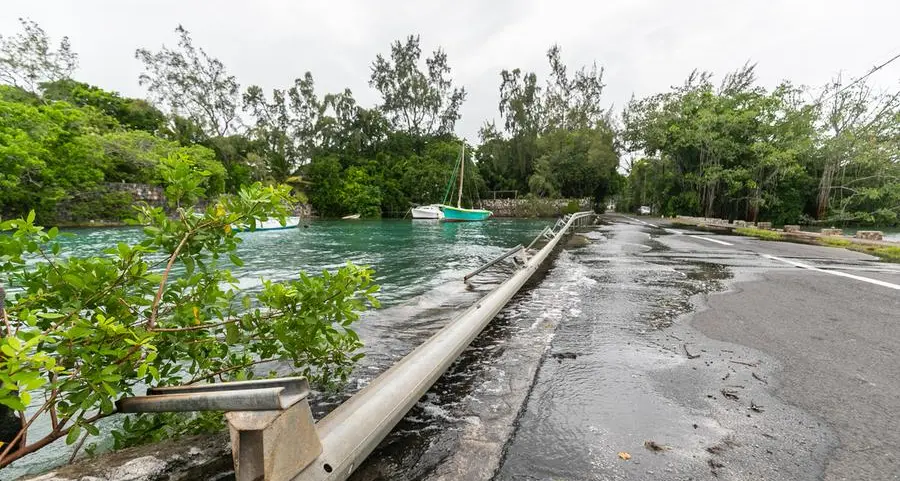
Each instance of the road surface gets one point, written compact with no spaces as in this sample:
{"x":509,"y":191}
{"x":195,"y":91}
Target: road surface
{"x":784,"y":367}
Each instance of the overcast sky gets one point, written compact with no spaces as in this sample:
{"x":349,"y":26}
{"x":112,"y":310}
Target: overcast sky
{"x":644,"y":45}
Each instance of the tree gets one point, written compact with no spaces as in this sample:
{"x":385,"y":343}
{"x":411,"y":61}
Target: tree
{"x":27,"y":59}
{"x":46,"y":151}
{"x":419,"y":103}
{"x":572,"y":103}
{"x":134,"y":114}
{"x":856,"y":122}
{"x":192,"y":84}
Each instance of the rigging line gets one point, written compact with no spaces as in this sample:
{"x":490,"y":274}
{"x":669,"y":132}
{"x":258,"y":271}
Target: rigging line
{"x":874,"y":69}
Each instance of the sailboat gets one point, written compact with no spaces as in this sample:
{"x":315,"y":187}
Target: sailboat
{"x":458,"y":214}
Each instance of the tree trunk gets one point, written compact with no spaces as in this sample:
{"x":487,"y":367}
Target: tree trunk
{"x":825,"y":189}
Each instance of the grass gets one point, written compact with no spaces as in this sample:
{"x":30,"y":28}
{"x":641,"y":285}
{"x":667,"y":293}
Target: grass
{"x":889,"y":254}
{"x":759,"y":233}
{"x":886,"y":253}
{"x":834,"y":242}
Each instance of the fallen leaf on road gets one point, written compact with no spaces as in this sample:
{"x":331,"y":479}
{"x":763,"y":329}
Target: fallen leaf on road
{"x":625,"y":456}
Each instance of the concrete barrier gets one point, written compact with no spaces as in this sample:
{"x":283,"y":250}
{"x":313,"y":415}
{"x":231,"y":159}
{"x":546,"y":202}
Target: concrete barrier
{"x":870,"y":235}
{"x":832,"y":231}
{"x":764,"y":225}
{"x":740,"y":223}
{"x":791,"y":228}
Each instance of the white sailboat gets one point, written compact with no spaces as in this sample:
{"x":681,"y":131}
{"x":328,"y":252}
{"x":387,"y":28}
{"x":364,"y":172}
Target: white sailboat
{"x":270,"y":224}
{"x":432,"y":211}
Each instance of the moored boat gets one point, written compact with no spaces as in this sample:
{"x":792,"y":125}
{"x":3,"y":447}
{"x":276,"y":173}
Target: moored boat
{"x":432,"y":211}
{"x":270,"y":224}
{"x":458,"y":213}
{"x":350,"y":217}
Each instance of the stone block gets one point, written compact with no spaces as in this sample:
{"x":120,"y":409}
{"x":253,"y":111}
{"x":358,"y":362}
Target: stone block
{"x":832,"y":231}
{"x":740,"y":223}
{"x":764,"y":225}
{"x":791,"y":228}
{"x":870,"y":235}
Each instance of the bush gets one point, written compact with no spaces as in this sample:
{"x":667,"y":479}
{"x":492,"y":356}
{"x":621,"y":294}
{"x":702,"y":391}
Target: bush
{"x":96,"y":205}
{"x":81,"y":333}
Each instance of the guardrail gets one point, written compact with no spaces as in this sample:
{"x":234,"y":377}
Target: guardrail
{"x":272,"y":433}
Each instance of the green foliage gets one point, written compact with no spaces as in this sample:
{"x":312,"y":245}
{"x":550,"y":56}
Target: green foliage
{"x":45,"y":152}
{"x":571,"y":208}
{"x":759,"y":233}
{"x":156,"y":427}
{"x":99,"y":204}
{"x":132,"y":114}
{"x":416,"y":102}
{"x":739,"y":151}
{"x":162,"y":312}
{"x":559,"y":141}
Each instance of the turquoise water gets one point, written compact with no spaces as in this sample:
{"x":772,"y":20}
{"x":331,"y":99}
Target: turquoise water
{"x":409,"y":257}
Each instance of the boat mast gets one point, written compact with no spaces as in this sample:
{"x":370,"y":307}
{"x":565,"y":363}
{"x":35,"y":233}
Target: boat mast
{"x":462,"y":170}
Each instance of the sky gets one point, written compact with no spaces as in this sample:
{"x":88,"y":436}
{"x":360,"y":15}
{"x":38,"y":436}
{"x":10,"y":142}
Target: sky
{"x":645,"y":46}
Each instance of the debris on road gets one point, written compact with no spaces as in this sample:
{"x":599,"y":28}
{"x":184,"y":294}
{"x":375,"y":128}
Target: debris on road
{"x":656,"y":447}
{"x":624,"y":456}
{"x":730,"y":394}
{"x":688,"y":354}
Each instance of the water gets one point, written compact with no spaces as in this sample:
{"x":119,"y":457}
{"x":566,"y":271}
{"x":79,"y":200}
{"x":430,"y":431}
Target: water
{"x":409,"y":257}
{"x":418,"y":264}
{"x":890,"y":233}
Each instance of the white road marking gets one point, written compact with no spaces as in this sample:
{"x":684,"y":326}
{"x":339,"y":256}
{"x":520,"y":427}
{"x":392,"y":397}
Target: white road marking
{"x":642,"y":222}
{"x":710,"y":239}
{"x":834,"y":273}
{"x":673,"y":231}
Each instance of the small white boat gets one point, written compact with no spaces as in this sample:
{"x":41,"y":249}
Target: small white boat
{"x":432,"y":211}
{"x":350,"y":217}
{"x":271,"y":224}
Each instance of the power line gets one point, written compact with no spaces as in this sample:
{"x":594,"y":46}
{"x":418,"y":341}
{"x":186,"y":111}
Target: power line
{"x":874,"y":69}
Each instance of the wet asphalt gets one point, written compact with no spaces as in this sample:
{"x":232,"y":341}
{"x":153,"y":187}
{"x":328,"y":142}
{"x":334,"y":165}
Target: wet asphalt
{"x":652,"y":351}
{"x":699,"y":356}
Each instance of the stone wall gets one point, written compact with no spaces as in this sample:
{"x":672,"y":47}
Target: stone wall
{"x":535,"y":207}
{"x":151,"y":194}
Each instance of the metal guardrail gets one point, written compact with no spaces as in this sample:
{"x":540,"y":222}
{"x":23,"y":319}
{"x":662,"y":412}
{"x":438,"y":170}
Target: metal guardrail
{"x":497,"y":259}
{"x":273,"y":435}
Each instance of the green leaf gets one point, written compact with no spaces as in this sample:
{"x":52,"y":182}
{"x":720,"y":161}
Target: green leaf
{"x":30,"y":218}
{"x":236,"y":260}
{"x":231,"y":333}
{"x":13,"y":403}
{"x":53,"y":232}
{"x":74,"y":432}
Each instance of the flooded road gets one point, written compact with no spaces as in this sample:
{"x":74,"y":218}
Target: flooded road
{"x":602,"y":358}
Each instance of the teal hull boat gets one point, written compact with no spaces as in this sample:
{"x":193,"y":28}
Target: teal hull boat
{"x":457,"y":214}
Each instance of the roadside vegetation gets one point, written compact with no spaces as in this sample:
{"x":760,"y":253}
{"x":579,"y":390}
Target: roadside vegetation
{"x":788,"y":155}
{"x":762,"y":234}
{"x":80,"y":333}
{"x":886,"y":253}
